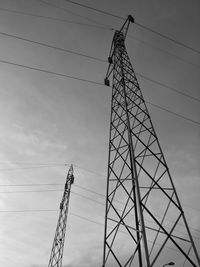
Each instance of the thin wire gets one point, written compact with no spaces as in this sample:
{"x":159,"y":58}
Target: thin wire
{"x":52,"y":18}
{"x":31,"y":163}
{"x":30,"y":191}
{"x":138,"y":24}
{"x":100,"y":27}
{"x":49,"y":72}
{"x":168,"y":38}
{"x":163,"y":51}
{"x":88,"y":198}
{"x":70,"y":213}
{"x":59,"y":190}
{"x":71,"y":12}
{"x":30,"y":185}
{"x":96,"y":59}
{"x":75,"y":193}
{"x":81,"y":217}
{"x":33,"y":167}
{"x":89,"y":190}
{"x":61,"y":184}
{"x":87,"y":170}
{"x":51,"y":46}
{"x":95,"y":9}
{"x":92,"y":82}
{"x":174,"y":113}
{"x":168,"y":87}
{"x":24,"y":211}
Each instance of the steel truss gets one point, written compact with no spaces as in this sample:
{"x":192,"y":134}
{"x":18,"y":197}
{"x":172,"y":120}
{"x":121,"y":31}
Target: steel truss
{"x":59,"y":239}
{"x":144,"y":222}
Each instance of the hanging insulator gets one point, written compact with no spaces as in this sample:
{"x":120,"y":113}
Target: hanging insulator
{"x":106,"y":82}
{"x":110,"y":60}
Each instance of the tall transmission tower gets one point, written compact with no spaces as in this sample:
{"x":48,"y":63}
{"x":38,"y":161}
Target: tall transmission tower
{"x":144,"y":221}
{"x":59,"y":239}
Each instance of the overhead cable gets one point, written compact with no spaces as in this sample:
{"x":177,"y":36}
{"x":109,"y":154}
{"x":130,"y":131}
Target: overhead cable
{"x":163,"y":51}
{"x":59,"y":190}
{"x":100,"y":27}
{"x":95,"y":9}
{"x":174,"y":113}
{"x":168,"y":38}
{"x":52,"y":210}
{"x":71,"y":12}
{"x":168,"y":87}
{"x":138,"y":24}
{"x":83,"y":218}
{"x":53,"y":18}
{"x":49,"y":72}
{"x":51,"y":46}
{"x":88,"y":81}
{"x":96,"y":59}
{"x":33,"y":167}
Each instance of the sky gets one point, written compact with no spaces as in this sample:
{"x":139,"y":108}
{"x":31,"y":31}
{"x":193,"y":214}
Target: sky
{"x":48,"y":122}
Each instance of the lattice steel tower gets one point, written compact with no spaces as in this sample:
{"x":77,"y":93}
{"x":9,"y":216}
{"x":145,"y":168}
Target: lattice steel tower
{"x":59,"y":239}
{"x":144,"y":222}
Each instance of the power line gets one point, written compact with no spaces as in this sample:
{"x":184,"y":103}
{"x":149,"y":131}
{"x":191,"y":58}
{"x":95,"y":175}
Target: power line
{"x":30,"y":185}
{"x":78,"y":216}
{"x":95,"y":9}
{"x":71,"y":213}
{"x":96,"y":59}
{"x":32,"y":163}
{"x":87,"y":170}
{"x":96,"y":26}
{"x":100,"y":27}
{"x":168,"y":87}
{"x":75,"y":193}
{"x":88,"y":81}
{"x":61,"y":184}
{"x":168,"y":38}
{"x":24,"y":211}
{"x":33,"y":167}
{"x":138,"y":24}
{"x":59,"y":190}
{"x":51,"y":46}
{"x":49,"y":72}
{"x":163,"y":51}
{"x":30,"y":191}
{"x":52,"y":18}
{"x":174,"y":113}
{"x":71,"y":12}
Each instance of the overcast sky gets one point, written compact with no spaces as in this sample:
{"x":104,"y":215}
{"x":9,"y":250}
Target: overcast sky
{"x":47,"y":120}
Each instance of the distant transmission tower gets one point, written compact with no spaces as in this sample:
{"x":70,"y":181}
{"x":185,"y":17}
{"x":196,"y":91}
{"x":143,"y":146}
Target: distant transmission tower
{"x":144,"y":222}
{"x":59,"y":239}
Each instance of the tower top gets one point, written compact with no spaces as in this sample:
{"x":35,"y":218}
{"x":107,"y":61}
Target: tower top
{"x":125,"y":26}
{"x":122,"y":33}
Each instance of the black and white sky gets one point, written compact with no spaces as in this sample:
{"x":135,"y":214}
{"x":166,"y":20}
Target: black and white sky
{"x":50,"y":120}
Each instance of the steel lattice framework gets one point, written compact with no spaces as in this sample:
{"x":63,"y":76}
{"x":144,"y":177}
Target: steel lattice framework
{"x":59,"y":239}
{"x":144,"y":222}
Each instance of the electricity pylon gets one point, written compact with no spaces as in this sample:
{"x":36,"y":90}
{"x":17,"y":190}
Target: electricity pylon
{"x":59,"y":239}
{"x":144,"y":221}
